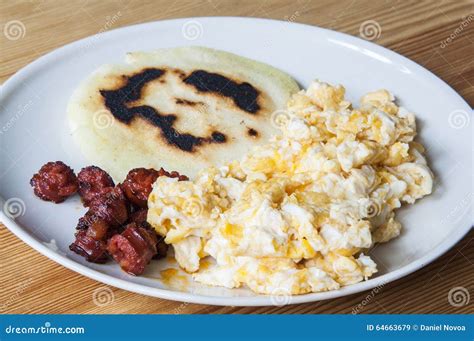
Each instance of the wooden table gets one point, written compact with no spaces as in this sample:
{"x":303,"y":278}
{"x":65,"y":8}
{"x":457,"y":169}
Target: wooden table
{"x":419,"y":30}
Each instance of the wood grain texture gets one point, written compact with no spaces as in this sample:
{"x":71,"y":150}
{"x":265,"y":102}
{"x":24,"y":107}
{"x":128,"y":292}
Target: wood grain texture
{"x":427,"y":32}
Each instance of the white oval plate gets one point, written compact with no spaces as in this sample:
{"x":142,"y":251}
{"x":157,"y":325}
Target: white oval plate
{"x":34,"y":131}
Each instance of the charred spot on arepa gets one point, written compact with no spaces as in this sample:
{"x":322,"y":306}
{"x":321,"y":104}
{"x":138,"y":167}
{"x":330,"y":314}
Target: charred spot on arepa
{"x":218,"y":137}
{"x":252,"y":132}
{"x":244,"y":95}
{"x":180,"y":73}
{"x":116,"y":101}
{"x":187,"y":102}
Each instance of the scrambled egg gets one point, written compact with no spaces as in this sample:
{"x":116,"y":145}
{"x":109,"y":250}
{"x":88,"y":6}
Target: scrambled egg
{"x":299,"y":214}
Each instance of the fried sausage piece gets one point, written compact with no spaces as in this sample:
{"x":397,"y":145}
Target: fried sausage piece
{"x":85,"y":221}
{"x":106,"y":213}
{"x":111,"y":206}
{"x":133,"y":248}
{"x":93,"y":182}
{"x":55,"y":182}
{"x":92,"y":250}
{"x":138,"y":217}
{"x":98,"y":229}
{"x":138,"y":184}
{"x":173,"y":174}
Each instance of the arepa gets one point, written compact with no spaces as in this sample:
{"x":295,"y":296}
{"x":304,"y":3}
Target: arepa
{"x":183,"y":109}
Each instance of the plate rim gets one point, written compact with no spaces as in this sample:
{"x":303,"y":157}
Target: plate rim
{"x":258,"y":300}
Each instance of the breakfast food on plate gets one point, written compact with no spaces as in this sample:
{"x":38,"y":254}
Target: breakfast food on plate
{"x":137,"y":184}
{"x":54,"y":182}
{"x":111,"y":207}
{"x":190,"y":103}
{"x":93,"y":181}
{"x":133,"y":248}
{"x":115,"y":223}
{"x":299,"y":214}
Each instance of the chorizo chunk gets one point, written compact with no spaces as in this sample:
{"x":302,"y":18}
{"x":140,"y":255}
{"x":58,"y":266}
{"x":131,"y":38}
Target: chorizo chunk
{"x":55,"y":182}
{"x":110,"y":206}
{"x":173,"y":174}
{"x":138,"y":184}
{"x":139,"y":181}
{"x":133,"y":248}
{"x":98,"y":229}
{"x":139,"y":217}
{"x":93,"y":182}
{"x":92,"y":250}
